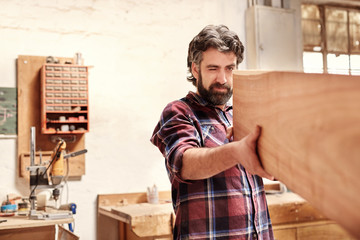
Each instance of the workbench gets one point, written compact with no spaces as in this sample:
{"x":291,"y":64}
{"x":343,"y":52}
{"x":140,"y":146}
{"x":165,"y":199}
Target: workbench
{"x":293,"y":218}
{"x":21,"y":227}
{"x":128,"y":216}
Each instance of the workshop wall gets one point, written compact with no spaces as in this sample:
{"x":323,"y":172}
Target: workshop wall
{"x":138,"y":52}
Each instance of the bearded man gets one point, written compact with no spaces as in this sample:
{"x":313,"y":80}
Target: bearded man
{"x":217,"y":187}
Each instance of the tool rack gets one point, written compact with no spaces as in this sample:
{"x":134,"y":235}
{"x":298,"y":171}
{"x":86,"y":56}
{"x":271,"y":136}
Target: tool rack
{"x":30,"y":112}
{"x":64,"y":99}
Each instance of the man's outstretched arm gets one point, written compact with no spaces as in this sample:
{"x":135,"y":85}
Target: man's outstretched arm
{"x":201,"y":163}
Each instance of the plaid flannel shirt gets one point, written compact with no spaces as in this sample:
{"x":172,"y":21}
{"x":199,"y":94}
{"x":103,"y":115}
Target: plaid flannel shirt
{"x":229,"y":205}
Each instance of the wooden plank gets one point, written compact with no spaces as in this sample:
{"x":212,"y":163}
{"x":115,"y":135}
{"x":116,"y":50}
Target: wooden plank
{"x":311,"y":230}
{"x":122,"y":230}
{"x":323,"y":232}
{"x":28,"y":84}
{"x":107,"y":228}
{"x":285,"y":234}
{"x":64,"y":234}
{"x":310,"y":135}
{"x":147,"y":219}
{"x":106,"y":211}
{"x":130,"y":235}
{"x":142,"y":209}
{"x":17,"y":222}
{"x":121,"y":199}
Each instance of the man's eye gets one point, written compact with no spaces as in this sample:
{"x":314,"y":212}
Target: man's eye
{"x":230,"y":68}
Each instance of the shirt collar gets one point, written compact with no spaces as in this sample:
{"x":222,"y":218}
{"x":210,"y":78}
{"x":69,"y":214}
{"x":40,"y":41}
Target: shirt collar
{"x":197,"y":98}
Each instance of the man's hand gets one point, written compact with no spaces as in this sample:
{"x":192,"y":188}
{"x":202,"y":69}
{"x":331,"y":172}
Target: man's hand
{"x":245,"y":151}
{"x":230,"y":133}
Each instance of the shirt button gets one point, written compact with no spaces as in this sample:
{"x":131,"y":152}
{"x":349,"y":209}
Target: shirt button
{"x":255,"y":236}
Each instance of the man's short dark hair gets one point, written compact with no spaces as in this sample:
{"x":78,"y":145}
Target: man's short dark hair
{"x":218,"y":37}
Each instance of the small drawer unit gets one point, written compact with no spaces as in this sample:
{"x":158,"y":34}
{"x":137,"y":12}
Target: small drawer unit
{"x":64,"y":99}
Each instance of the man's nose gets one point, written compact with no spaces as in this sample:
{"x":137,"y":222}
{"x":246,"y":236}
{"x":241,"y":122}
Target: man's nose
{"x":221,"y":78}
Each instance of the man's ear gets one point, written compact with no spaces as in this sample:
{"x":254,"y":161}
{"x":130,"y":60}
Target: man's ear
{"x":195,"y":70}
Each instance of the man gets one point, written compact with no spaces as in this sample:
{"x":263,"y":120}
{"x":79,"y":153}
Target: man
{"x":217,"y":189}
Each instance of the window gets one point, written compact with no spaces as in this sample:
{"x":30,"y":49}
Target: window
{"x":331,"y":39}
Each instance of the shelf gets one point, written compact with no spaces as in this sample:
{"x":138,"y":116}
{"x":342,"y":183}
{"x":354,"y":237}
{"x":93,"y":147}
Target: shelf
{"x":64,"y":99}
{"x":64,"y":132}
{"x":58,"y":121}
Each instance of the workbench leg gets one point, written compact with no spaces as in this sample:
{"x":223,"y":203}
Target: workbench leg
{"x":122,"y":231}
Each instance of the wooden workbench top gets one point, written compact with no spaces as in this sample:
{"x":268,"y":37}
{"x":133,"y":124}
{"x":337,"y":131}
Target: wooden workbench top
{"x":145,"y":219}
{"x":24,"y":222}
{"x":142,"y":209}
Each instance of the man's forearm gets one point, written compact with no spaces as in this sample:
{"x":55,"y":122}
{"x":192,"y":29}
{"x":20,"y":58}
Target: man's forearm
{"x":201,"y":163}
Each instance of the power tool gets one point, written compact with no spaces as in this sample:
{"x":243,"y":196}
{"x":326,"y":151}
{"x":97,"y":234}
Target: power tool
{"x":39,"y":176}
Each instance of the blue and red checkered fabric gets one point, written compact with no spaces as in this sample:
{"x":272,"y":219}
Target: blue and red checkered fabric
{"x":229,"y":205}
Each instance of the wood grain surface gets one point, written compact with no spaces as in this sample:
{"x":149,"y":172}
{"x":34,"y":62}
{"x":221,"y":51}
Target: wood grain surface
{"x":147,"y":219}
{"x":310,"y":137}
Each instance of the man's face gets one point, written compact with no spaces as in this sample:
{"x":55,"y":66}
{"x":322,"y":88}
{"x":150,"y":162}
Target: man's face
{"x":214,"y":78}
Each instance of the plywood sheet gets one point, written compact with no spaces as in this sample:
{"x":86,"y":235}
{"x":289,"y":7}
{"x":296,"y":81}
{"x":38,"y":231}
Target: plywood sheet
{"x":310,"y":136}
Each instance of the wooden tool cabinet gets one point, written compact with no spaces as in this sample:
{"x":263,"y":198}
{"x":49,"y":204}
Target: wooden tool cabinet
{"x":64,"y":99}
{"x":33,"y":110}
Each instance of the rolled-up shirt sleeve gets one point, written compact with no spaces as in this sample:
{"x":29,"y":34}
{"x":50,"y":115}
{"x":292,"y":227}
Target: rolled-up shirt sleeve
{"x":174,"y":134}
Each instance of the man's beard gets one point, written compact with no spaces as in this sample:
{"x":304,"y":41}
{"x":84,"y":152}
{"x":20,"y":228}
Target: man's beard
{"x":211,"y":95}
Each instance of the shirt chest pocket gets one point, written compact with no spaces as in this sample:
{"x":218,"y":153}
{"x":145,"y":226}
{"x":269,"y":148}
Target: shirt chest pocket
{"x":213,"y":134}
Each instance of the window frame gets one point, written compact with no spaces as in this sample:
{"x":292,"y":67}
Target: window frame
{"x":323,"y":37}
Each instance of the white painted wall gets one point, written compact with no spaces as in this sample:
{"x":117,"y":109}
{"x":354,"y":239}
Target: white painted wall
{"x":138,"y":50}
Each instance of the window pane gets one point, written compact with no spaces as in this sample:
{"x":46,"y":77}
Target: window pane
{"x":354,"y":25}
{"x":311,"y":34}
{"x":313,"y":62}
{"x":336,"y":30}
{"x":311,"y":27}
{"x":355,"y":64}
{"x":310,"y":11}
{"x":338,"y":64}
